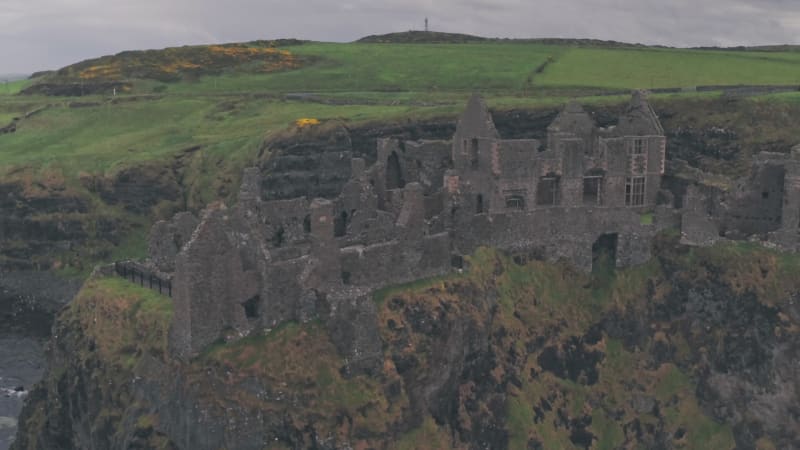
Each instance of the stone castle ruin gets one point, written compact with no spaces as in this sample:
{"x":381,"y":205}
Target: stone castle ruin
{"x":423,"y":205}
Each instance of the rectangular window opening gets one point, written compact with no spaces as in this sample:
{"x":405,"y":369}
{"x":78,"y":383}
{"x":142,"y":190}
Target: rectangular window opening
{"x":635,"y":191}
{"x":592,"y":190}
{"x":639,"y":146}
{"x":547,"y":191}
{"x":474,"y":154}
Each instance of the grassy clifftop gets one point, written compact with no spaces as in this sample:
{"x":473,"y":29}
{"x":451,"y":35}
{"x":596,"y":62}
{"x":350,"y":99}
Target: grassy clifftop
{"x":226,"y":98}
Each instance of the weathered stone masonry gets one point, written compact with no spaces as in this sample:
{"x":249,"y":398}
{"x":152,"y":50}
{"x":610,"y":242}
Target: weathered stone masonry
{"x":423,"y":205}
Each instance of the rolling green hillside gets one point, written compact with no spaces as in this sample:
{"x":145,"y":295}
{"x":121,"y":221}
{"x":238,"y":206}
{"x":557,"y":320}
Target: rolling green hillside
{"x":231,"y":107}
{"x":152,"y":118}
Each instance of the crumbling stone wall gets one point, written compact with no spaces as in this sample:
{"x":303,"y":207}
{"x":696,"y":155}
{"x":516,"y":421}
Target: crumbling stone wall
{"x":168,"y":237}
{"x":411,"y":215}
{"x":763,"y":207}
{"x":211,"y":284}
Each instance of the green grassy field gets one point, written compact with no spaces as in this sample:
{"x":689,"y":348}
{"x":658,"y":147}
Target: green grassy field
{"x":502,"y":67}
{"x":224,"y":115}
{"x":396,"y":67}
{"x":663,"y":68}
{"x":13,"y":87}
{"x":101,"y":138}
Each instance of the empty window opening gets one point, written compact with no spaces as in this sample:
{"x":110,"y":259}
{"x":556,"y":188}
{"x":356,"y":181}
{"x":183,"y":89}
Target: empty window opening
{"x":479,"y":204}
{"x":457,"y":261}
{"x":473,"y":153}
{"x":340,"y":224}
{"x":251,"y":307}
{"x":515,"y":201}
{"x":394,"y":173}
{"x":278,"y":237}
{"x":592,"y":190}
{"x":547,"y":191}
{"x":639,"y":146}
{"x":307,"y":224}
{"x":765,"y":195}
{"x":346,"y":277}
{"x":635,"y":191}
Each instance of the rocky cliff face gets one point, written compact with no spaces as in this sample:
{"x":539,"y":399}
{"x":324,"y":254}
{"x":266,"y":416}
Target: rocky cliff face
{"x":696,"y":349}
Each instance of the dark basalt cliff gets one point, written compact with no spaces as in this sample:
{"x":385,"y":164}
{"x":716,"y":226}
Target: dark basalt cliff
{"x":697,"y":349}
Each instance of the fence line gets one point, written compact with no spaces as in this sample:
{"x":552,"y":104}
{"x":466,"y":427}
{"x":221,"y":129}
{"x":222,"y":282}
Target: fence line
{"x":145,"y":278}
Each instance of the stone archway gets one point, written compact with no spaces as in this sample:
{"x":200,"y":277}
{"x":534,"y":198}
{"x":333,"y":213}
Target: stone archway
{"x":604,"y":253}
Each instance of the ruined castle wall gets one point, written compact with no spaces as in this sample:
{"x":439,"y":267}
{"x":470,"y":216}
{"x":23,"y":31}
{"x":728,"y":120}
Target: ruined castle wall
{"x":616,"y":156}
{"x":656,"y":163}
{"x":168,"y":237}
{"x":556,"y":233}
{"x":614,"y":193}
{"x":426,"y":162}
{"x":284,"y":222}
{"x":210,"y":284}
{"x":396,"y":262}
{"x":324,"y":248}
{"x":393,"y":202}
{"x":757,"y":205}
{"x":633,"y":246}
{"x":434,"y":204}
{"x":282,"y":292}
{"x":790,"y":218}
{"x":367,"y":229}
{"x":358,"y":196}
{"x":515,"y":157}
{"x":698,"y":229}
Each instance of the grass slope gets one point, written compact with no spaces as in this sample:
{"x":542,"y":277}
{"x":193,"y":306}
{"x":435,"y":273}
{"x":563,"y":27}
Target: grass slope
{"x":382,"y":80}
{"x":662,"y":68}
{"x":506,"y":67}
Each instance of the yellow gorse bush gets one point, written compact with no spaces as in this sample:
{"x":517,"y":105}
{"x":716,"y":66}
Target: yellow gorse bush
{"x":196,"y":60}
{"x":306,"y":122}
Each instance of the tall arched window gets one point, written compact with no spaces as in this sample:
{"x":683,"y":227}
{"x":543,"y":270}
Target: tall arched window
{"x":394,"y":174}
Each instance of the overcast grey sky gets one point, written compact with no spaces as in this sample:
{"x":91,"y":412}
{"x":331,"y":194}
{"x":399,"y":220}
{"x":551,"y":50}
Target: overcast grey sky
{"x":48,"y":34}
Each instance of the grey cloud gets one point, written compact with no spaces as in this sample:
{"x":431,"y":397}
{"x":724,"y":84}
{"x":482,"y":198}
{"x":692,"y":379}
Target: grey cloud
{"x":39,"y":34}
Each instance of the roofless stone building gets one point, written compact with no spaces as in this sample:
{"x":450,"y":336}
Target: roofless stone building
{"x":423,"y":205}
